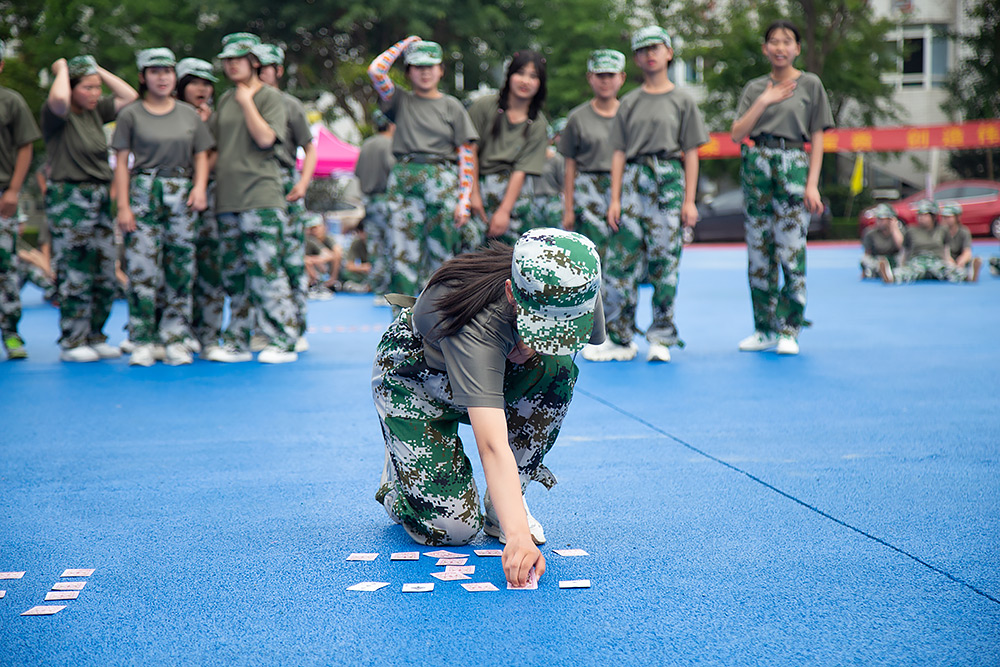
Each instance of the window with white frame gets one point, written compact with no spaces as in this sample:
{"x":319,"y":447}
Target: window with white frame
{"x":924,"y":56}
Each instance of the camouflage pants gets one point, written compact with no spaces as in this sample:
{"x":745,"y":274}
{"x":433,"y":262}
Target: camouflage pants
{"x":10,"y":294}
{"x":427,"y":484}
{"x":776,"y":222}
{"x":591,"y":197}
{"x":492,"y":188}
{"x":83,"y":259}
{"x":546,"y":211}
{"x":648,"y":236}
{"x":421,"y":200}
{"x":869,"y":265}
{"x":160,"y":260}
{"x":929,"y":267}
{"x":294,"y":252}
{"x":253,"y":273}
{"x":208,"y":295}
{"x":377,"y":229}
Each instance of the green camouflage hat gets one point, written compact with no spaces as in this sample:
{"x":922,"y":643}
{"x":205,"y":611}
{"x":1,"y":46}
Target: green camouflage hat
{"x":160,"y":57}
{"x":312,"y":219}
{"x":269,"y":54}
{"x":238,"y":44}
{"x":604,"y":61}
{"x":556,"y":280}
{"x":951,"y":208}
{"x":423,"y":53}
{"x":649,"y":36}
{"x":883,"y":211}
{"x":196,"y":67}
{"x":81,"y":66}
{"x":927,"y":206}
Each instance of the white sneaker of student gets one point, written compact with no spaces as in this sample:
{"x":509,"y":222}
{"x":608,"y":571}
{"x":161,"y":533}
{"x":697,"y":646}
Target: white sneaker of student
{"x":106,"y":350}
{"x":177,"y":354}
{"x":142,"y":355}
{"x":193,"y":345}
{"x":491,"y":524}
{"x":228,"y":354}
{"x":160,"y":352}
{"x":758,"y":341}
{"x":81,"y":354}
{"x":787,"y":345}
{"x":658,"y":352}
{"x":209,"y":351}
{"x":126,"y":346}
{"x":302,"y":344}
{"x":258,"y":342}
{"x":273,"y":354}
{"x":609,"y":351}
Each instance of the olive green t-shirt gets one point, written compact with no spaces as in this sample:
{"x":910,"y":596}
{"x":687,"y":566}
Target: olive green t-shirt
{"x":918,"y":240}
{"x":652,"y":124}
{"x":431,"y":126}
{"x":550,"y":183}
{"x":961,"y":240}
{"x":375,"y":161}
{"x":512,"y":149}
{"x":248,"y":177}
{"x":587,"y":139}
{"x":17,"y":128}
{"x":297,"y":133}
{"x":879,"y":243}
{"x":76,"y":146}
{"x":805,"y":112}
{"x":161,"y":141}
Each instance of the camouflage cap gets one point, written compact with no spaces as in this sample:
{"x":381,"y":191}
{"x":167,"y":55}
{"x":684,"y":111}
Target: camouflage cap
{"x":312,"y":219}
{"x":196,"y":67}
{"x":269,"y":54}
{"x":238,"y":44}
{"x":951,"y":208}
{"x":81,"y":66}
{"x":883,"y":211}
{"x":927,"y":206}
{"x":159,"y":57}
{"x":380,"y":120}
{"x":649,"y":36}
{"x":603,"y":61}
{"x":423,"y":53}
{"x":556,"y":281}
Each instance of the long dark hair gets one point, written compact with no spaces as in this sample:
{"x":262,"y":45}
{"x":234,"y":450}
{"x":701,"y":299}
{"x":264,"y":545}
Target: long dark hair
{"x":477,"y":279}
{"x":517,"y":62}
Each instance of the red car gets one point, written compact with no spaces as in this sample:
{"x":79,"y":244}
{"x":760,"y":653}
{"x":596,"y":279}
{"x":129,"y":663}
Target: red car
{"x":980,"y":202}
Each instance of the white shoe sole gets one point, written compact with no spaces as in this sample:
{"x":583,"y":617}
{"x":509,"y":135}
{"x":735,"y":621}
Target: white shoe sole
{"x":658,"y":354}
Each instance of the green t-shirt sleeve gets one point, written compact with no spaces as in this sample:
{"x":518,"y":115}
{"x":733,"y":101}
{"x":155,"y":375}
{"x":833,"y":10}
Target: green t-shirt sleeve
{"x":298,"y":125}
{"x":24,"y":129}
{"x":121,"y":140}
{"x":480,"y":115}
{"x":272,"y":108}
{"x":465,"y":129}
{"x":203,"y":139}
{"x":692,"y":131}
{"x":821,"y":118}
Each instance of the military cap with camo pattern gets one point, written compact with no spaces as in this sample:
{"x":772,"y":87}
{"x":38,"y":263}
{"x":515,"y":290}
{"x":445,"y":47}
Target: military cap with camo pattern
{"x":423,"y":53}
{"x":649,"y":36}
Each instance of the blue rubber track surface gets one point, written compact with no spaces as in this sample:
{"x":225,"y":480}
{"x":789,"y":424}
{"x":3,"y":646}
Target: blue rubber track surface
{"x":841,"y":507}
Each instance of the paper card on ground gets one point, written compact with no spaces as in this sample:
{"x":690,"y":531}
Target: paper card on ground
{"x":571,"y":552}
{"x":449,"y":576}
{"x":405,"y":555}
{"x":489,"y":552}
{"x":417,"y":588}
{"x":479,"y":587}
{"x":69,"y":585}
{"x":451,"y":561}
{"x":2,"y":593}
{"x":77,"y":573}
{"x":11,"y":575}
{"x":362,"y":557}
{"x":441,"y":553}
{"x":62,"y":595}
{"x":531,"y":584}
{"x":44,"y":610}
{"x":461,"y":569}
{"x":575,"y":583}
{"x":368,"y":586}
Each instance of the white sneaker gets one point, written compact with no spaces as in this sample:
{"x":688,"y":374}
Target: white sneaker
{"x":193,"y":345}
{"x":106,"y":351}
{"x":159,"y":352}
{"x":258,"y":342}
{"x":126,"y":346}
{"x":177,"y":354}
{"x":491,"y":525}
{"x":142,"y":355}
{"x":609,"y":351}
{"x":658,"y":352}
{"x":787,"y":345}
{"x":228,"y":354}
{"x":80,"y":354}
{"x":302,"y":344}
{"x":758,"y":341}
{"x":319,"y":293}
{"x":275,"y":355}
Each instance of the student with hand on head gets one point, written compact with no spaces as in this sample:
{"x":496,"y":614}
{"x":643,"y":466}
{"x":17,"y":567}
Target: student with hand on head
{"x":883,"y":239}
{"x":925,"y":252}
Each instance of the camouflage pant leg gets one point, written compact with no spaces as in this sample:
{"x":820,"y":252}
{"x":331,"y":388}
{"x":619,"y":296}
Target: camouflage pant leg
{"x":294,"y":251}
{"x":10,"y":293}
{"x":83,"y":258}
{"x":269,"y":287}
{"x":179,"y":263}
{"x":664,"y":195}
{"x":624,"y":264}
{"x":492,"y":188}
{"x":869,"y":264}
{"x":776,"y":222}
{"x":442,"y":240}
{"x":591,"y":197}
{"x":233,"y":271}
{"x":144,"y":259}
{"x":406,"y":205}
{"x":929,"y":267}
{"x":546,"y":211}
{"x":376,"y":228}
{"x":208,"y":296}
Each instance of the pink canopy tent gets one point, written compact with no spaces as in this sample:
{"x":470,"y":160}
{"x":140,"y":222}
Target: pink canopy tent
{"x":333,"y":155}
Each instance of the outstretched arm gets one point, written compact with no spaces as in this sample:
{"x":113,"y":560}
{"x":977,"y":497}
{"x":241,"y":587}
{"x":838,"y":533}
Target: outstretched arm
{"x":466,"y":177}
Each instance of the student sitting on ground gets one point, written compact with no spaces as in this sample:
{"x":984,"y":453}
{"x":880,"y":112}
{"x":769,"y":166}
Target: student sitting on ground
{"x":925,"y":253}
{"x":355,"y":267}
{"x":884,"y":239}
{"x":323,"y":257}
{"x":957,"y":236}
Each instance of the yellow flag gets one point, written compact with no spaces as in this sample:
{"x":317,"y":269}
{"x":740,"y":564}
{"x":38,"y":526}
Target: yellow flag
{"x":858,"y":176}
